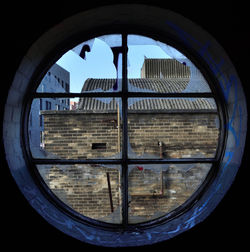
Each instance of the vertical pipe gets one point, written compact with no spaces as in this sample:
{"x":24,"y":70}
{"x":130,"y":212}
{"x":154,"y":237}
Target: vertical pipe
{"x":110,"y":193}
{"x":118,"y":129}
{"x":162,"y":180}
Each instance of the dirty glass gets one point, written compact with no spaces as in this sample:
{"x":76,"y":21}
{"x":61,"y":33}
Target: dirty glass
{"x":91,"y":190}
{"x":90,"y":130}
{"x":156,"y":67}
{"x":92,"y":66}
{"x":172,"y":128}
{"x":155,"y":190}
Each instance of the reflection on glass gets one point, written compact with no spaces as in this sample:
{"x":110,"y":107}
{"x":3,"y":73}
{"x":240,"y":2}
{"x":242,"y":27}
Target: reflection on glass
{"x":172,"y":127}
{"x":157,"y":67}
{"x":155,"y":190}
{"x":91,"y":190}
{"x":92,"y":130}
{"x":98,"y":58}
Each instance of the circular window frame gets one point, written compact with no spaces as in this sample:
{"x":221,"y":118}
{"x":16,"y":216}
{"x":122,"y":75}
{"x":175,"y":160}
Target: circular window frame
{"x":147,"y":224}
{"x":42,"y":55}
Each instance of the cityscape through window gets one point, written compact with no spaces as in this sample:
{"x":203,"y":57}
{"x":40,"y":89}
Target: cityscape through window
{"x":124,"y":129}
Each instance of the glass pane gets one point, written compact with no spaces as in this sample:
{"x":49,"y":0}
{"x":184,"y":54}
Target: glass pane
{"x":157,"y":67}
{"x":172,"y":127}
{"x":90,"y":130}
{"x":155,"y":190}
{"x":92,"y":66}
{"x":91,"y":190}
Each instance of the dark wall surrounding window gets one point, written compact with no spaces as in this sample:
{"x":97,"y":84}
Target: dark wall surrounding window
{"x":232,"y":33}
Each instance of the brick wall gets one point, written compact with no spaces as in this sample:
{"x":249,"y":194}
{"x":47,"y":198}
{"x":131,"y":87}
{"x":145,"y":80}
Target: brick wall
{"x":181,"y":135}
{"x":157,"y":190}
{"x":85,"y":188}
{"x":153,"y":189}
{"x":71,"y":135}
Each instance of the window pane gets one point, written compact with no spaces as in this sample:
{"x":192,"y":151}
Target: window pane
{"x":157,"y":67}
{"x":172,"y":127}
{"x":155,"y":190}
{"x":92,"y":130}
{"x":91,"y":190}
{"x":92,"y":66}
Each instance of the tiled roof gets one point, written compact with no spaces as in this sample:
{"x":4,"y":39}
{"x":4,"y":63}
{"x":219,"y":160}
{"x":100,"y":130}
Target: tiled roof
{"x":171,"y":104}
{"x":154,"y":85}
{"x":147,"y":105}
{"x":144,"y":105}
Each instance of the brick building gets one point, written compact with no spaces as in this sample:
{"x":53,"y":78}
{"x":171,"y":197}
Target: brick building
{"x":157,"y":128}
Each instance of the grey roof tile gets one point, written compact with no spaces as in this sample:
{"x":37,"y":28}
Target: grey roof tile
{"x":104,"y":105}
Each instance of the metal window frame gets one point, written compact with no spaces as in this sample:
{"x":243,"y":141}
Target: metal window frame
{"x":124,"y":94}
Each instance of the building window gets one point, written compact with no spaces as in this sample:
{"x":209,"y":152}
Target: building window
{"x":67,"y":87}
{"x":41,"y":104}
{"x":48,"y":105}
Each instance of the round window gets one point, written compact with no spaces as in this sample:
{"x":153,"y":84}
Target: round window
{"x":128,"y":137}
{"x":124,"y":129}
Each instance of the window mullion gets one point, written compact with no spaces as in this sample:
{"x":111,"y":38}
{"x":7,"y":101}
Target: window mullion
{"x":124,"y":178}
{"x":171,"y":95}
{"x":74,"y":95}
{"x":75,"y":161}
{"x":119,"y":94}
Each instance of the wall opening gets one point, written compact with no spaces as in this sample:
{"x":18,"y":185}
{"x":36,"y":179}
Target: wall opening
{"x":139,"y":181}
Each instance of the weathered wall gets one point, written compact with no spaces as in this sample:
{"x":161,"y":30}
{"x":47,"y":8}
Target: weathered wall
{"x":85,"y":188}
{"x":71,"y":135}
{"x":153,"y":189}
{"x":181,"y":135}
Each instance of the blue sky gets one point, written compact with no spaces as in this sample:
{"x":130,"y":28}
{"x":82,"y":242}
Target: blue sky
{"x":98,"y":62}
